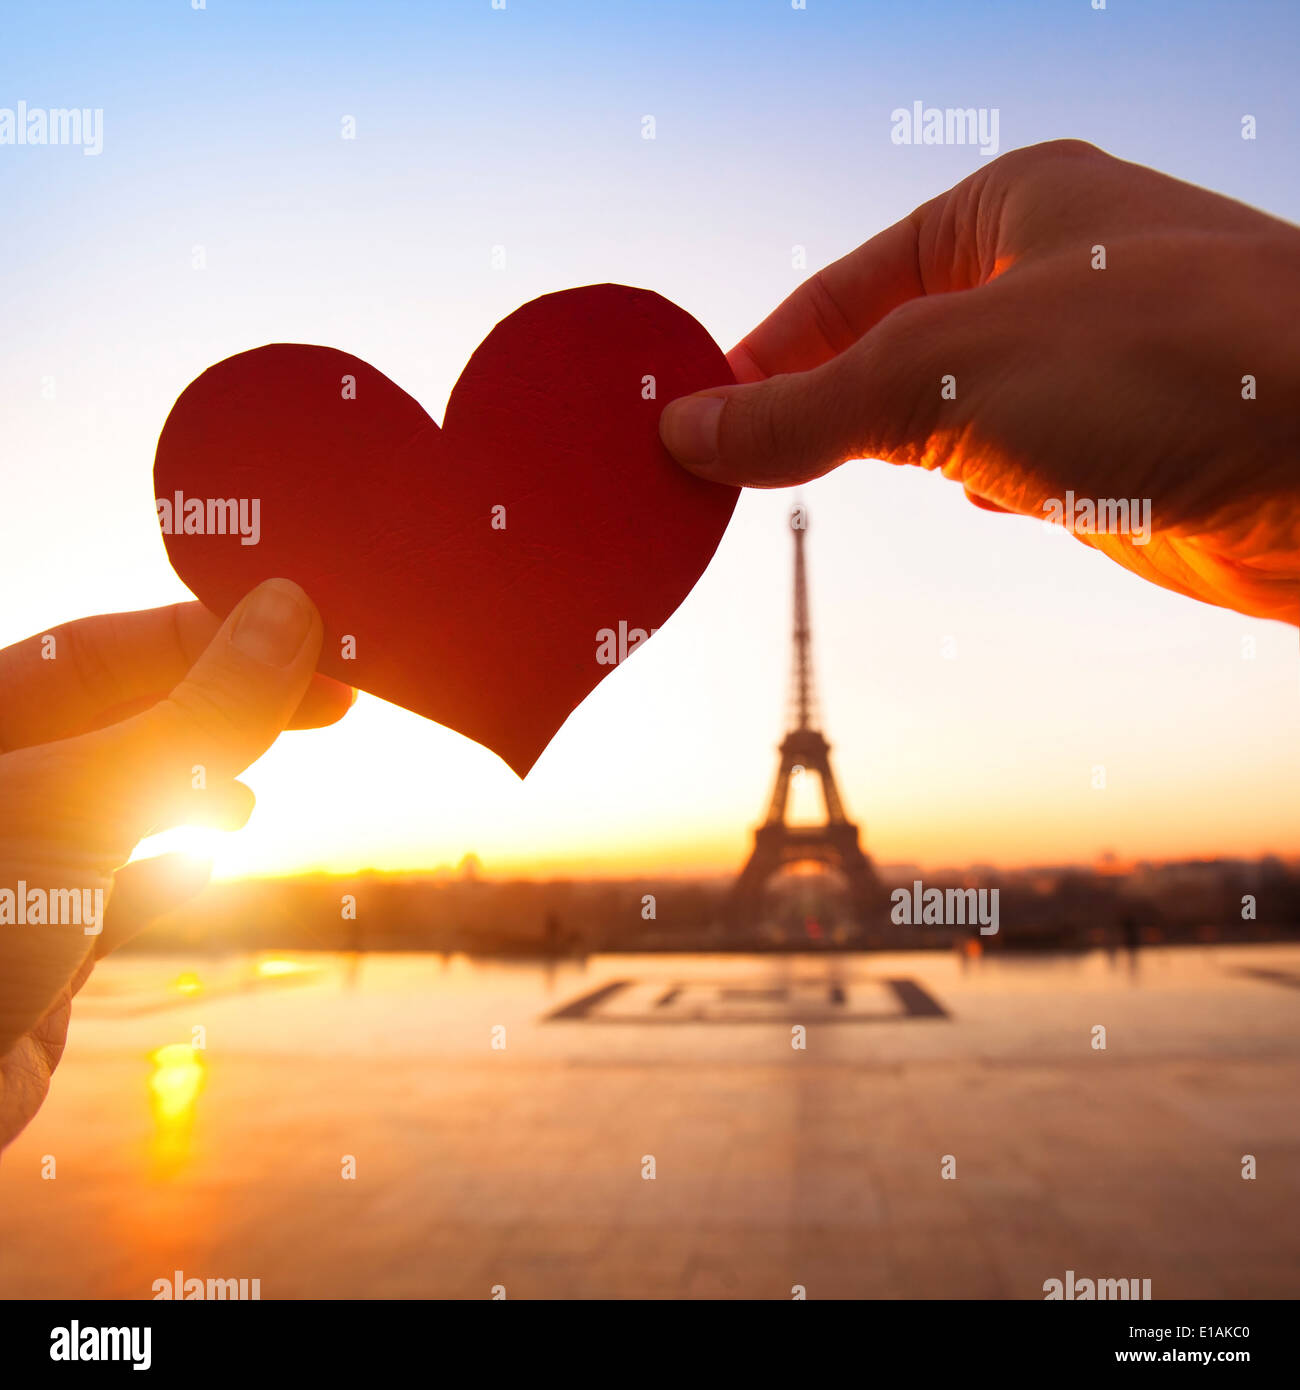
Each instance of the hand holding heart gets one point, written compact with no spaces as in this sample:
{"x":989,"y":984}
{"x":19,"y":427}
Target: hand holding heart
{"x":1060,"y":325}
{"x":80,"y":785}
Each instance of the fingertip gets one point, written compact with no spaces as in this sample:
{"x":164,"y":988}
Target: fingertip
{"x":983,"y":503}
{"x":325,"y":702}
{"x":148,"y":888}
{"x":240,"y":803}
{"x":744,"y":365}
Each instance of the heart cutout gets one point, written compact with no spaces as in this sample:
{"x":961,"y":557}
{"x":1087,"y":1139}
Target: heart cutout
{"x":495,"y":623}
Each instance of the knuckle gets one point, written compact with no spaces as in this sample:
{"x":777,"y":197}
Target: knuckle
{"x":772,"y":427}
{"x":794,"y":429}
{"x":213,"y":720}
{"x":751,"y":436}
{"x":89,"y":659}
{"x":828,"y":318}
{"x":901,"y":366}
{"x":1069,"y":147}
{"x":1029,"y":157}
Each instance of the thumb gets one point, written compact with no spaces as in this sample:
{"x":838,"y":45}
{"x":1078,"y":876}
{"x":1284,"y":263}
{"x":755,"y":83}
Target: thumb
{"x":145,"y":889}
{"x":878,"y":399}
{"x":224,"y":715}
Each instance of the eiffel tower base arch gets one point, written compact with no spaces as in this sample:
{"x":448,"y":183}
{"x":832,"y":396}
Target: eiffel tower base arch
{"x":777,"y":846}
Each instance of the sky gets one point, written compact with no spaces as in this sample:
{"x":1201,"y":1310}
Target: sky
{"x":972,"y":668}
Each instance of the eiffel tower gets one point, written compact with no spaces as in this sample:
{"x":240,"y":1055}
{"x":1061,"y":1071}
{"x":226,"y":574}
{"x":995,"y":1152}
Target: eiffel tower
{"x":803,"y":750}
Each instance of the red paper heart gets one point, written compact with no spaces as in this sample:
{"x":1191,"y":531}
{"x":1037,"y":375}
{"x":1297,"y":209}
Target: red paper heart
{"x":387,"y":521}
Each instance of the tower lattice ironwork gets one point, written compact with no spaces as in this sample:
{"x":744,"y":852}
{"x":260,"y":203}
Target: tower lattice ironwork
{"x":804,"y":750}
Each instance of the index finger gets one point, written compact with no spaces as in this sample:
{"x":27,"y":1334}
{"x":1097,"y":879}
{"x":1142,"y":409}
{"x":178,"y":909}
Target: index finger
{"x":832,"y":309}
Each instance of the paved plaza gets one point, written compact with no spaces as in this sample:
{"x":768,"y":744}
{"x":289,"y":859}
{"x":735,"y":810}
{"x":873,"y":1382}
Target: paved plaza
{"x":644,"y":1127}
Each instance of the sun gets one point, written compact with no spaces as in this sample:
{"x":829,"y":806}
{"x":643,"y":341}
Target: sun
{"x":198,"y":842}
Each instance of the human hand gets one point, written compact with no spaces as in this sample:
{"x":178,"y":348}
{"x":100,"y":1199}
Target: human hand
{"x":1123,"y":382}
{"x":95,"y":755}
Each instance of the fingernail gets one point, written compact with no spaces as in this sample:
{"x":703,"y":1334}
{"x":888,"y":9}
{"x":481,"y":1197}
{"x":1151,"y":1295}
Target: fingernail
{"x":273,"y":625}
{"x":689,"y":430}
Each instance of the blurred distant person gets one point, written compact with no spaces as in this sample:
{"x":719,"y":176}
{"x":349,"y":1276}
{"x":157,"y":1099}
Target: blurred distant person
{"x":1132,"y":940}
{"x":1060,"y":322}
